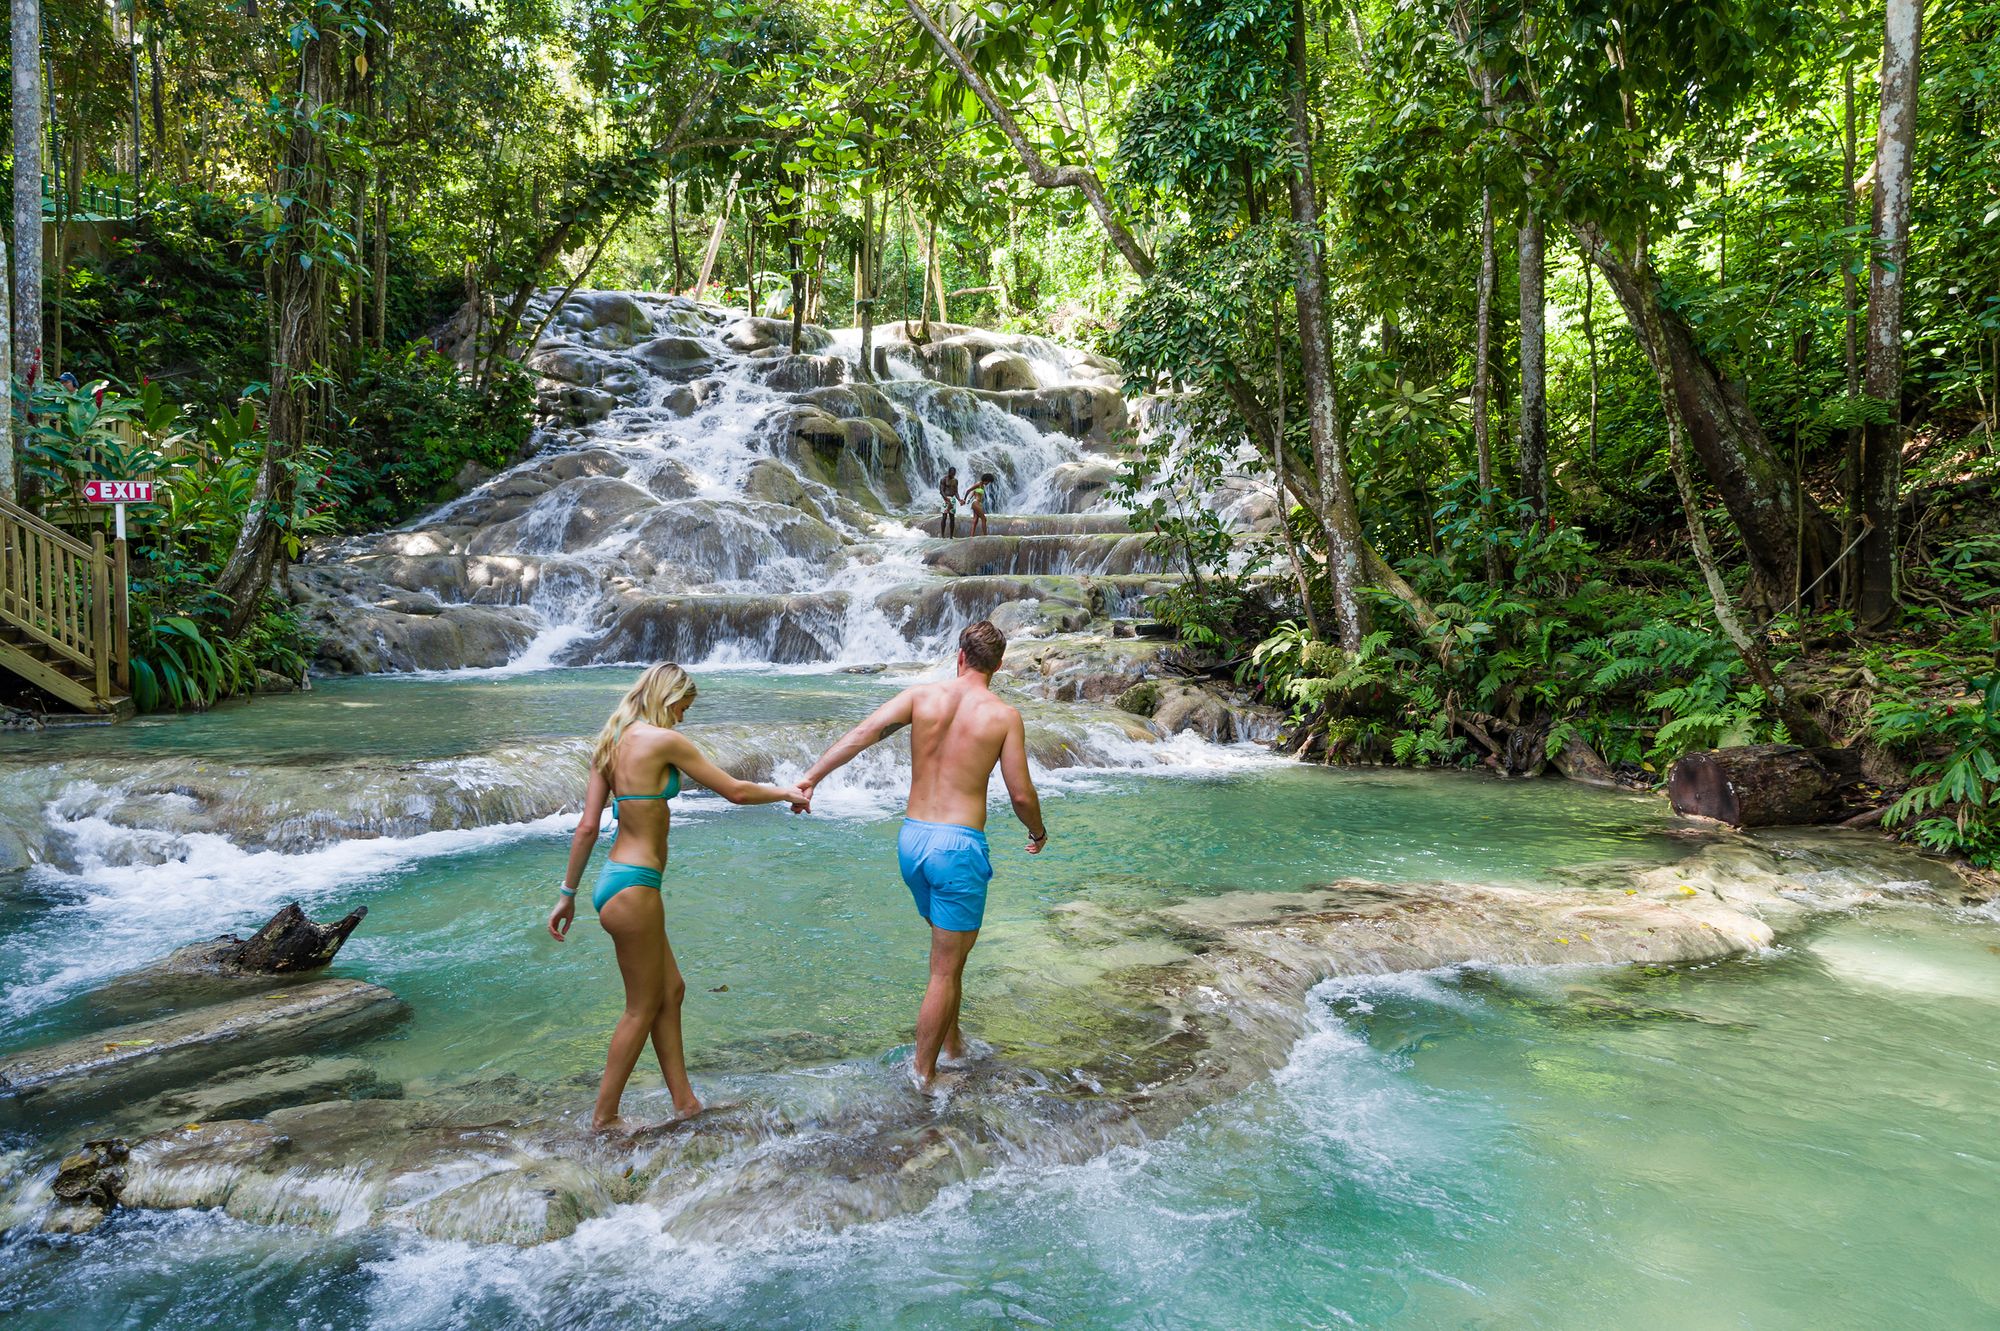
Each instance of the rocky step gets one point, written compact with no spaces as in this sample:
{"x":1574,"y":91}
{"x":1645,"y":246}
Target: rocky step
{"x":1036,"y":605}
{"x":1095,"y":553}
{"x":1037,"y":524}
{"x":181,"y":1049}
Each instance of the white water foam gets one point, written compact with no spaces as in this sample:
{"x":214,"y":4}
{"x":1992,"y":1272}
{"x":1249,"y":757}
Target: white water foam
{"x":137,"y":894}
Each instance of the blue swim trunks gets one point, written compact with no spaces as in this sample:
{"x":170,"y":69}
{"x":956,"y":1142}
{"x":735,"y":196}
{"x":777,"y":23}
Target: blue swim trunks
{"x":947,"y":868}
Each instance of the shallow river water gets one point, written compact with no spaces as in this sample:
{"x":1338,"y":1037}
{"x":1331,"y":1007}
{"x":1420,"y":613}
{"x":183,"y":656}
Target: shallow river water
{"x":1802,"y":1138}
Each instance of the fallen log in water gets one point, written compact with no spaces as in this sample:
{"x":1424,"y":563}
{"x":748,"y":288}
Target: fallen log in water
{"x":1766,"y":785}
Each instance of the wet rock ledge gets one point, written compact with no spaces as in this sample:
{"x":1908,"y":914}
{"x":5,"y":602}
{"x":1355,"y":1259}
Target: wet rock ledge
{"x":1171,"y":1010}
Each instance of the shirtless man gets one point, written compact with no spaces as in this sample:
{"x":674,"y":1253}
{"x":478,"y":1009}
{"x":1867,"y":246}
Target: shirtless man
{"x":960,"y":731}
{"x":948,"y":491}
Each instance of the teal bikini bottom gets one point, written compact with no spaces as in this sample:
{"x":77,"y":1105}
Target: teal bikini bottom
{"x":617,"y":877}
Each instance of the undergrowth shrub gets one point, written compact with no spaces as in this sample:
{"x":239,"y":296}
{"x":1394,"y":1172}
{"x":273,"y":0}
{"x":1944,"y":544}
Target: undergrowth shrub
{"x":412,"y":421}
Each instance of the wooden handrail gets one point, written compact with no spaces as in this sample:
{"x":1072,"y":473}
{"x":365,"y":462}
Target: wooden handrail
{"x":62,"y":609}
{"x":9,"y":509}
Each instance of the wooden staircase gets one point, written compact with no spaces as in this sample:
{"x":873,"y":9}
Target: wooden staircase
{"x":63,"y":614}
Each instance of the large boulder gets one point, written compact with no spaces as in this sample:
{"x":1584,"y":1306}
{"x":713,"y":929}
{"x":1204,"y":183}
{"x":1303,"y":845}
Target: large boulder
{"x":686,"y":399}
{"x":774,"y":483}
{"x":574,"y":405}
{"x":852,"y":401}
{"x":783,"y":629}
{"x":1006,"y":371}
{"x":609,"y":319}
{"x":573,"y":515}
{"x":751,"y":335}
{"x":1087,"y":414}
{"x":675,"y":357}
{"x":416,"y":633}
{"x":719,"y":540}
{"x":798,"y":374}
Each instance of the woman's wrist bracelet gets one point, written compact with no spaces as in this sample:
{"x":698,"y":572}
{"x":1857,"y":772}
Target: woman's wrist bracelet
{"x":566,"y":891}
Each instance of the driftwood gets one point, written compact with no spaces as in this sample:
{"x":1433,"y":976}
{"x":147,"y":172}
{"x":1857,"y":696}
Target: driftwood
{"x":1766,"y":785}
{"x":287,"y":944}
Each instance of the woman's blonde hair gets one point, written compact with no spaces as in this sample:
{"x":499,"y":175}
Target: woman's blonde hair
{"x":651,"y":699}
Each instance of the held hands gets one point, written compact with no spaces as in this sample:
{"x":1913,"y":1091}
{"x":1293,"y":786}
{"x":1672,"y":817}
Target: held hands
{"x":799,"y":797}
{"x":560,"y":918}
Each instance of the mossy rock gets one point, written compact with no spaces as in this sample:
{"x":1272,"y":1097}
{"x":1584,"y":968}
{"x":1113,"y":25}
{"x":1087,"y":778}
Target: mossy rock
{"x":1142,"y":699}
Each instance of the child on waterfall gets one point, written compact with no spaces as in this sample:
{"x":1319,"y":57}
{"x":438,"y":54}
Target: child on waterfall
{"x":976,"y":496}
{"x":640,"y":751}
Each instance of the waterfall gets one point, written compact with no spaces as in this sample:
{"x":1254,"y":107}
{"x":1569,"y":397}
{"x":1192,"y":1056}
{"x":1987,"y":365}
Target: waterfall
{"x":706,"y":492}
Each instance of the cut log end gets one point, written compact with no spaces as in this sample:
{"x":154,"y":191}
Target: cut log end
{"x":291,"y":942}
{"x":1765,"y":785}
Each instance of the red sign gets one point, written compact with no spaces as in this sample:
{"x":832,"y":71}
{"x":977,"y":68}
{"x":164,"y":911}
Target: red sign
{"x":118,"y":492}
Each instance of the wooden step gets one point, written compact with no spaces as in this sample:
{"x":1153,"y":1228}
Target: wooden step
{"x":44,"y":676}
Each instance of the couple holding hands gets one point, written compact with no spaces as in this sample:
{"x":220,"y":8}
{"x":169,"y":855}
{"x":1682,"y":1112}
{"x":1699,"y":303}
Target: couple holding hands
{"x":959,"y":731}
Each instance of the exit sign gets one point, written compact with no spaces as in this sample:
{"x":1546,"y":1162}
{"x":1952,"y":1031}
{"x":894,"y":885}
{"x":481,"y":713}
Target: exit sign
{"x":118,"y":492}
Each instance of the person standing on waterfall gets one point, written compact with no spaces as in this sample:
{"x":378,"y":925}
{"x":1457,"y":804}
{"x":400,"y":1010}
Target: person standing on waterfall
{"x":948,"y":490}
{"x":639,"y":751}
{"x":977,"y":496}
{"x":958,"y":732}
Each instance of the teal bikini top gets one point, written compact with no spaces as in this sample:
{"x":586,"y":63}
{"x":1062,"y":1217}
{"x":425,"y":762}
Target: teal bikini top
{"x":673,"y":781}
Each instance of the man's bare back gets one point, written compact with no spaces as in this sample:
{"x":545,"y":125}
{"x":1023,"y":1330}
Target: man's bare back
{"x":959,"y":731}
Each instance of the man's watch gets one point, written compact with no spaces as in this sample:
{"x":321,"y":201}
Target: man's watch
{"x":1043,"y":836}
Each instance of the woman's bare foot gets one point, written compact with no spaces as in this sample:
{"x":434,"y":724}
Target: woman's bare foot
{"x":684,"y":1112}
{"x":614,"y":1127}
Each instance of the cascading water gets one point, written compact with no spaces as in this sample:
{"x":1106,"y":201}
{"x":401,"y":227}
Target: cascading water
{"x":715,"y":494}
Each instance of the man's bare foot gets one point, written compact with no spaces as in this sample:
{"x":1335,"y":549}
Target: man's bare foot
{"x":942,"y":1081}
{"x":614,"y":1127}
{"x":684,"y":1112}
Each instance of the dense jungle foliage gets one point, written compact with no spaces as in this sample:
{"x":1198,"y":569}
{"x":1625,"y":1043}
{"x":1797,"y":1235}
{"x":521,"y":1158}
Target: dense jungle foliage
{"x":1625,"y":375}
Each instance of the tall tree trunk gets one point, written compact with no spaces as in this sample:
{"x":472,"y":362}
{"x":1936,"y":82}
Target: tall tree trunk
{"x":864,"y":287}
{"x":27,"y":56}
{"x":937,"y":274}
{"x":1750,"y":647}
{"x":298,"y":305}
{"x":1338,"y":512}
{"x":1590,"y":344}
{"x":1482,"y":380}
{"x":750,"y":256}
{"x":1882,"y":434}
{"x":1279,"y":469}
{"x":379,"y":306}
{"x":158,"y":98}
{"x":1534,"y":436}
{"x":674,"y":231}
{"x":1850,"y":299}
{"x":138,"y":148}
{"x":797,"y":261}
{"x":1784,"y":533}
{"x":7,"y":440}
{"x":715,"y":237}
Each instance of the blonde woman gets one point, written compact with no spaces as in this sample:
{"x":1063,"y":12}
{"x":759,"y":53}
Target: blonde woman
{"x":640,"y":753}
